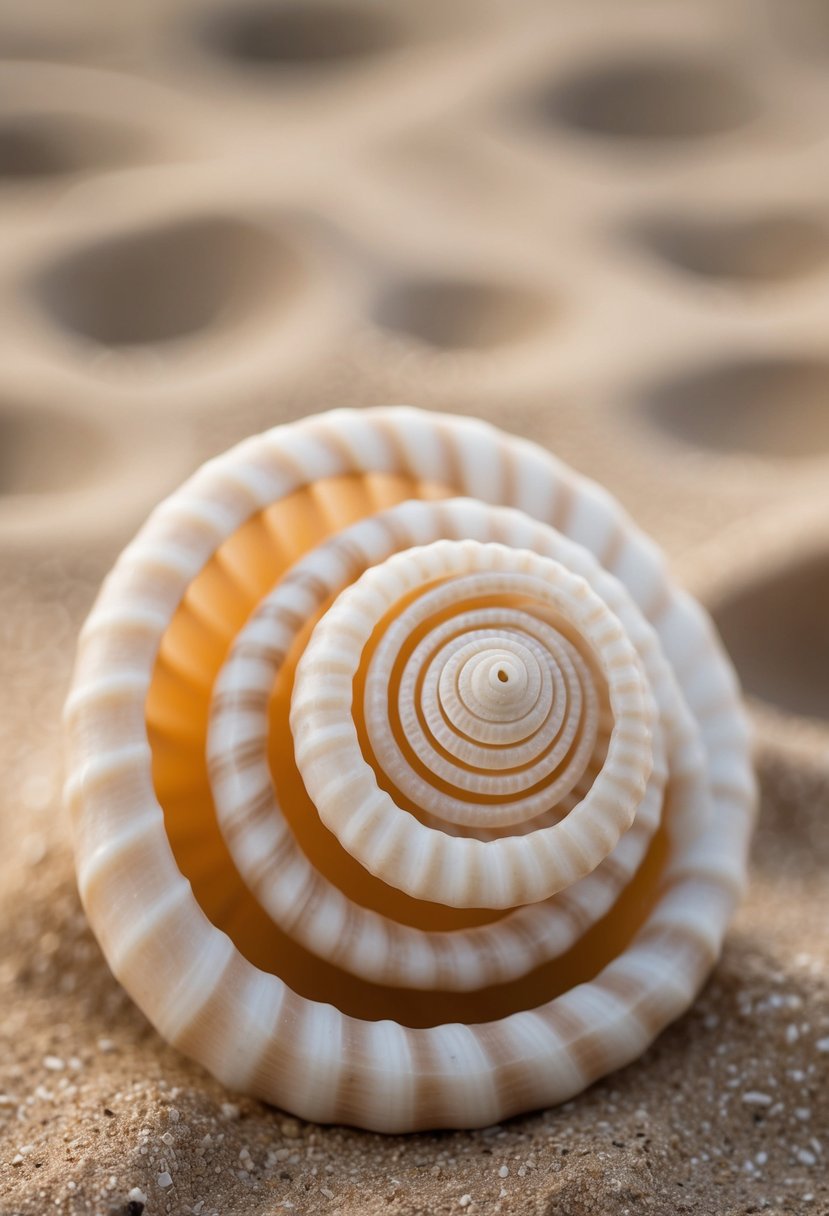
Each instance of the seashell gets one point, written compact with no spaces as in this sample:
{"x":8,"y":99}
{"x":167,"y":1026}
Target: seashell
{"x":407,"y":790}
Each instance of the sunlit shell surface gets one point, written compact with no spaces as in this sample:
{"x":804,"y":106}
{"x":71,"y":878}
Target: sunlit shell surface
{"x":408,"y":792}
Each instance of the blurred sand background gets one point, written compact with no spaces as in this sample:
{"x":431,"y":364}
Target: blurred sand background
{"x":601,"y":225}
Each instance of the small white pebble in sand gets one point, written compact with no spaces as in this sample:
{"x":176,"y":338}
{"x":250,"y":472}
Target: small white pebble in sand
{"x":803,"y":1113}
{"x":753,"y":1097}
{"x":822,"y":1045}
{"x":805,"y":1157}
{"x":34,"y":849}
{"x":173,"y":1115}
{"x":502,"y":1194}
{"x":465,"y":1201}
{"x":792,"y":1033}
{"x":136,"y":1195}
{"x":230,"y":1110}
{"x":50,"y":943}
{"x":503,"y":1171}
{"x":290,"y":1128}
{"x":53,"y":1063}
{"x":164,"y":1179}
{"x":106,"y":1045}
{"x":167,"y":1139}
{"x":761,"y":1158}
{"x":17,"y":1159}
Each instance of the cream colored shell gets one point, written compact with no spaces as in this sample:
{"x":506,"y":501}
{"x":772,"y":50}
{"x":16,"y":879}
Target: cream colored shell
{"x":553,"y":685}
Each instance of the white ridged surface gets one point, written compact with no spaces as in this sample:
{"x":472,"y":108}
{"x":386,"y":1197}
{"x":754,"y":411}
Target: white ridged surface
{"x":298,"y":897}
{"x":393,"y":844}
{"x":677,"y":712}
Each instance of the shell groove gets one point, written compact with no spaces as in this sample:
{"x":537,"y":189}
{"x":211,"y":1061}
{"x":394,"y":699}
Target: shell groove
{"x":407,"y":789}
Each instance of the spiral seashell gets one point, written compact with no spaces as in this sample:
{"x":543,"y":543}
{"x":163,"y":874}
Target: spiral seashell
{"x":407,"y":789}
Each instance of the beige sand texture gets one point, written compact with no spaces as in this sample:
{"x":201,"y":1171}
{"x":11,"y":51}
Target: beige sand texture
{"x":601,"y":225}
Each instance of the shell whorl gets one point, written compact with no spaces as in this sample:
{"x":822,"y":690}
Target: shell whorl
{"x":390,"y":842}
{"x":471,"y":782}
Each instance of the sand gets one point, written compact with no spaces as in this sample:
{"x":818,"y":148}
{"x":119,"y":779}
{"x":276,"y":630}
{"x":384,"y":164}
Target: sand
{"x":601,"y":226}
